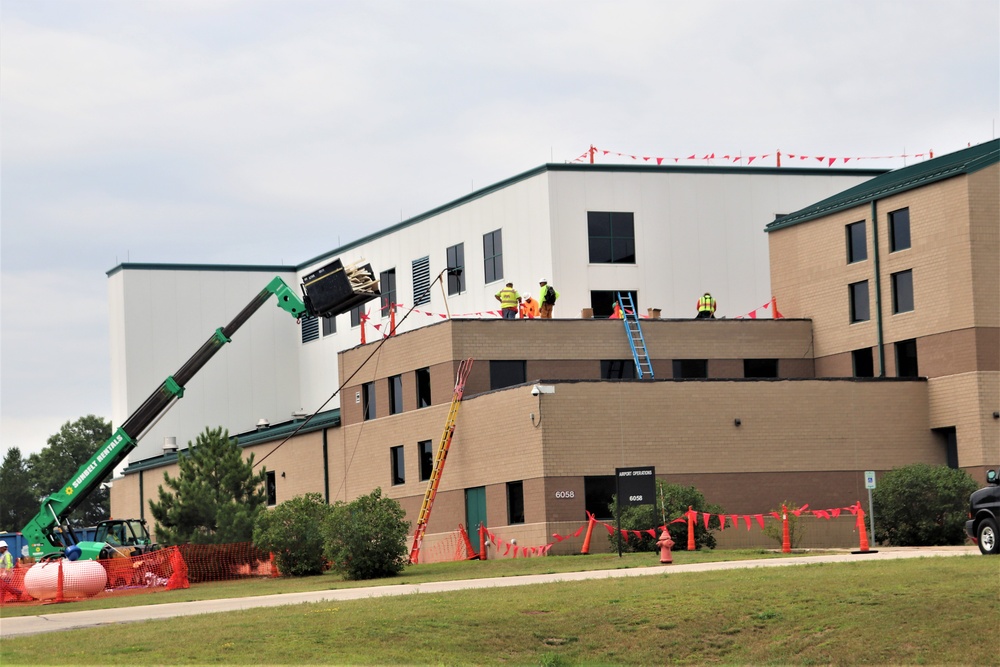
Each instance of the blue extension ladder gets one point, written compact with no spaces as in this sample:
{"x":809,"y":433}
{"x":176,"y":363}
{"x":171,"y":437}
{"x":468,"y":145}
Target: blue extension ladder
{"x":643,"y":367}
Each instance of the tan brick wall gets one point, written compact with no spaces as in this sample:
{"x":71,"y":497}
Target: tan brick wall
{"x":967,"y":402}
{"x":984,"y":212}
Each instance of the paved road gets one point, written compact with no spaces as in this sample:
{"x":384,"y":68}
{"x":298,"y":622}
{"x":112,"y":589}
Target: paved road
{"x":29,"y":625}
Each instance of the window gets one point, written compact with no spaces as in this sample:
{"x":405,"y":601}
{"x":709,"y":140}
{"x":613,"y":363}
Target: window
{"x":515,"y":502}
{"x":612,"y":237}
{"x":598,"y":492}
{"x":690,"y":368}
{"x":387,"y":285}
{"x":615,"y":369}
{"x":398,"y":466}
{"x":423,"y":387}
{"x":507,"y":373}
{"x":368,"y":400}
{"x":272,"y":489}
{"x":310,"y":328}
{"x":906,"y":359}
{"x":356,"y":314}
{"x":456,"y":260}
{"x":857,"y":242}
{"x":329,"y":325}
{"x":425,"y":454}
{"x":859,"y":301}
{"x":864,"y":366}
{"x":899,"y":230}
{"x":902,"y":292}
{"x":395,"y":394}
{"x":603,"y":301}
{"x":421,"y":281}
{"x":760,"y":368}
{"x":493,"y":256}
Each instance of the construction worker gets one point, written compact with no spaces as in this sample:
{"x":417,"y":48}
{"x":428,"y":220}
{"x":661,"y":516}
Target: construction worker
{"x":706,"y":307}
{"x":547,"y":298}
{"x":7,"y":573}
{"x":616,"y":313}
{"x":509,"y":301}
{"x":529,"y":308}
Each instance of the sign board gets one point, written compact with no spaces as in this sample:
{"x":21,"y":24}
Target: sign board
{"x":636,"y":486}
{"x":869,"y":479}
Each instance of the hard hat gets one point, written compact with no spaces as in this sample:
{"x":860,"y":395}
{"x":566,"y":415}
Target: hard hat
{"x":3,"y":544}
{"x":542,"y":280}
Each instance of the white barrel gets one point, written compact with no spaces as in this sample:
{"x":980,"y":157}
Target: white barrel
{"x":81,"y":578}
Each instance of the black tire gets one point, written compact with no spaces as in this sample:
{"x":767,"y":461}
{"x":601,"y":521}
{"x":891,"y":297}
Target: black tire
{"x":987,"y":536}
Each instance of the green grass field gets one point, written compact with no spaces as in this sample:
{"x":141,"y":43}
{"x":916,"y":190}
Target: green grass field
{"x":905,"y":612}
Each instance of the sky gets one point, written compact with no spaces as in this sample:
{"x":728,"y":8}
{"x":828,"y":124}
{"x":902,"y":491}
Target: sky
{"x":269,"y":132}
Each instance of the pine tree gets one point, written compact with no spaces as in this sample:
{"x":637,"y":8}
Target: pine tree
{"x":216,"y":497}
{"x":66,"y":451}
{"x":17,"y":503}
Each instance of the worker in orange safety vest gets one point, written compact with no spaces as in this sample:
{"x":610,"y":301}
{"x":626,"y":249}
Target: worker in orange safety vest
{"x":529,"y":308}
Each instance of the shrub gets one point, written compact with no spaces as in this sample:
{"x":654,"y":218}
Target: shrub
{"x":366,"y":538}
{"x":673,"y":501}
{"x":922,"y":505}
{"x":796,"y":529}
{"x":293,"y":532}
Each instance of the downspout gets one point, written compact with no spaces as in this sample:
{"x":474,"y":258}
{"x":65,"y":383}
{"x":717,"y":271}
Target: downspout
{"x":142,"y":498}
{"x":326,"y":470}
{"x":878,"y":294}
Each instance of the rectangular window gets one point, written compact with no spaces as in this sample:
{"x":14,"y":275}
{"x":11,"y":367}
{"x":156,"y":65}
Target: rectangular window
{"x":272,"y":489}
{"x":493,"y":256}
{"x":387,"y":285}
{"x":857,"y":242}
{"x":906,"y":359}
{"x":356,"y":314}
{"x":507,"y":373}
{"x":618,"y":369}
{"x":859,"y":301}
{"x":760,"y":368}
{"x":899,"y":230}
{"x":690,"y":368}
{"x":515,"y":502}
{"x":603,"y":301}
{"x":421,"y":281}
{"x":395,"y":394}
{"x":598,"y":493}
{"x":425,"y":454}
{"x":329,"y":325}
{"x":611,"y":237}
{"x":423,"y":387}
{"x":456,"y":260}
{"x":863,"y":361}
{"x":368,"y":400}
{"x":310,"y":328}
{"x":398,"y":466}
{"x":902,"y":292}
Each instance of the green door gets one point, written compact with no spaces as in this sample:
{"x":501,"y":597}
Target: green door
{"x":475,"y":512}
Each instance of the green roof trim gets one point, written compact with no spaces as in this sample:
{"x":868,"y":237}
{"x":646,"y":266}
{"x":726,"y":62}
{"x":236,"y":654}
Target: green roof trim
{"x":322,"y":420}
{"x":965,"y":161}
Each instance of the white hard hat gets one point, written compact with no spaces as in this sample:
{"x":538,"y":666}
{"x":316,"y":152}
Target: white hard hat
{"x":3,"y":543}
{"x":542,"y":280}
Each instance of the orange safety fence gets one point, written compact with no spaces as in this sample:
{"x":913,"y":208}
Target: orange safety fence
{"x":165,"y":569}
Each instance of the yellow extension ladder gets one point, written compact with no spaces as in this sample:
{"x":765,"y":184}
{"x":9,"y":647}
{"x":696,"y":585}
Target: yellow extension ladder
{"x":442,"y":453}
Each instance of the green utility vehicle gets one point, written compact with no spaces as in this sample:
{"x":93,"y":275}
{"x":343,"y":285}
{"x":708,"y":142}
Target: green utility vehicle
{"x":329,"y":291}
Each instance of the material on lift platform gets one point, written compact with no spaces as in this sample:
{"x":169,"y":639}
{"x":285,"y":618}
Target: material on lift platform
{"x":335,"y":288}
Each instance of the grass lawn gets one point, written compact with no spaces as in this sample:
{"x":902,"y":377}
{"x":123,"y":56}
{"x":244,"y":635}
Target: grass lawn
{"x":911,"y":611}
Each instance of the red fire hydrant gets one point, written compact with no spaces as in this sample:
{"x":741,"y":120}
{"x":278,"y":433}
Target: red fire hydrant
{"x":665,"y":543}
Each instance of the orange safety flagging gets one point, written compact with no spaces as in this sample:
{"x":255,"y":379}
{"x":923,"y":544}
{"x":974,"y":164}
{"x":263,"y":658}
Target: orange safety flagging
{"x":444,"y":445}
{"x":470,"y":552}
{"x":590,"y":531}
{"x":691,"y":515}
{"x":786,"y":538}
{"x":482,"y":542}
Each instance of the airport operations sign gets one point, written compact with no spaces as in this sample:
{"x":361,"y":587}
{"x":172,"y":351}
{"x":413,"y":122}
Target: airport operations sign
{"x":636,"y":486}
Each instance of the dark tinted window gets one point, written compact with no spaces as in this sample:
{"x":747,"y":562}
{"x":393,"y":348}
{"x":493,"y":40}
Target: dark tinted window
{"x":425,"y":451}
{"x":272,"y":489}
{"x":456,"y":260}
{"x":387,"y":285}
{"x":906,"y":359}
{"x":329,"y":325}
{"x":493,"y":256}
{"x":690,"y":368}
{"x":899,"y":230}
{"x":760,"y":368}
{"x":864,"y":366}
{"x":515,"y":502}
{"x":598,"y":493}
{"x":423,"y":387}
{"x":611,"y":237}
{"x":902,"y":292}
{"x":618,"y":369}
{"x":395,"y":394}
{"x":398,"y":465}
{"x":859,"y":301}
{"x":857,"y":243}
{"x":603,"y":301}
{"x":368,"y":400}
{"x":506,"y":373}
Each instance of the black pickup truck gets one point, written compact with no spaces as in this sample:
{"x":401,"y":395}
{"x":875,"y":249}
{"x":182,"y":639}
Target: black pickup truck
{"x":984,"y":515}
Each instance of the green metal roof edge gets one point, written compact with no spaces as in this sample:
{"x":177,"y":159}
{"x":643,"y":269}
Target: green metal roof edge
{"x":328,"y":419}
{"x":959,"y":163}
{"x":145,"y":266}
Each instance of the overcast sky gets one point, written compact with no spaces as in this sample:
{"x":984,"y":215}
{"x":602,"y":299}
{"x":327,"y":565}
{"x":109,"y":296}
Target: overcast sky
{"x":218,"y":131}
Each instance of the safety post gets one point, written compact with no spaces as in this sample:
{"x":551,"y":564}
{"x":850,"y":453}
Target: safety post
{"x":862,"y":533}
{"x":590,"y":531}
{"x":482,"y":542}
{"x":786,"y":538}
{"x":274,"y":565}
{"x":59,"y":583}
{"x":690,"y":515}
{"x":392,"y":319}
{"x":468,"y":543}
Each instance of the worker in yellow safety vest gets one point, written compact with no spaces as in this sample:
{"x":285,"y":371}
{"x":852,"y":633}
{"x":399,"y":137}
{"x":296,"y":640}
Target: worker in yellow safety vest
{"x":509,"y":301}
{"x":706,"y":307}
{"x":547,"y":296}
{"x":529,"y":308}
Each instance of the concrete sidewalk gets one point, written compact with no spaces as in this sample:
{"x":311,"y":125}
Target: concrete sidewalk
{"x":29,"y":625}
